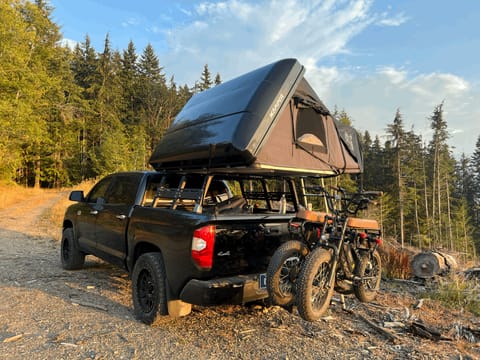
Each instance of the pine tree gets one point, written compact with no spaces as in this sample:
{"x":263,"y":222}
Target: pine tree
{"x":205,"y":79}
{"x":152,"y":92}
{"x":109,"y":151}
{"x":84,"y":67}
{"x":218,"y":79}
{"x":397,"y":134}
{"x":443,"y":168}
{"x":475,"y":190}
{"x":129,"y":74}
{"x":414,"y":218}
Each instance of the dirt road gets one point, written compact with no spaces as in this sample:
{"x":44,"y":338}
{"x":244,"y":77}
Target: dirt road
{"x":50,"y":313}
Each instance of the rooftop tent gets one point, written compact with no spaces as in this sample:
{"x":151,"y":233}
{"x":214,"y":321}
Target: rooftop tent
{"x":267,"y":121}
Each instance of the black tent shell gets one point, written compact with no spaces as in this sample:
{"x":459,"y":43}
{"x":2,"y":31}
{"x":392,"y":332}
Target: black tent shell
{"x":267,"y":121}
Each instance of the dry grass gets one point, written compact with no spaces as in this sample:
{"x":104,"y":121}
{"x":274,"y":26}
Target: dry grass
{"x":396,"y":262}
{"x":55,"y":214}
{"x":52,"y":216}
{"x":11,"y":194}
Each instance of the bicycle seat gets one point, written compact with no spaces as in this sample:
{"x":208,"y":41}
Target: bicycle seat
{"x":314,"y":216}
{"x":365,"y":224}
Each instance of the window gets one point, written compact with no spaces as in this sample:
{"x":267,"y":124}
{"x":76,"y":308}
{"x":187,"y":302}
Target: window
{"x":99,"y":190}
{"x":123,"y":190}
{"x":310,"y":131}
{"x":152,"y":187}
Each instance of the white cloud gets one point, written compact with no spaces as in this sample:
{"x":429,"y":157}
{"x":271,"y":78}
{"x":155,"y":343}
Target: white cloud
{"x":69,"y":43}
{"x":216,"y":10}
{"x":237,"y":36}
{"x":155,"y":29}
{"x":396,"y":20}
{"x":397,"y":77}
{"x":130,"y":22}
{"x":429,"y":85}
{"x":322,"y":78}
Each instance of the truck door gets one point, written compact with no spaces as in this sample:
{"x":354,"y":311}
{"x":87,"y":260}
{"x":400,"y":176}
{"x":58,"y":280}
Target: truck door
{"x":88,"y":212}
{"x":112,"y":219}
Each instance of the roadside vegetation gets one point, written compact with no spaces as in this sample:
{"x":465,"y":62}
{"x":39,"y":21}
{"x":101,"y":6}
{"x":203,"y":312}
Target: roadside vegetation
{"x":11,"y":193}
{"x":457,"y":292}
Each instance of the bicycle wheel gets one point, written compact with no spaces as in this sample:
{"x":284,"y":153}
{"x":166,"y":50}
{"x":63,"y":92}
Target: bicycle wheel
{"x":314,"y":290}
{"x":283,"y":270}
{"x":369,"y":269}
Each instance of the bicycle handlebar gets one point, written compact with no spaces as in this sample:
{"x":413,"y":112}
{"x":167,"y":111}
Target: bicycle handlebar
{"x":352,"y":203}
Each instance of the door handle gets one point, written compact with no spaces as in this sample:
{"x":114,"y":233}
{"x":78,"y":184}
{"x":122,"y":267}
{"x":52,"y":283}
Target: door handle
{"x":121,"y":217}
{"x":94,"y":212}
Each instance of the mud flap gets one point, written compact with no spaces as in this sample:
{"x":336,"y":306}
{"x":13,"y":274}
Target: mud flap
{"x":178,"y":308}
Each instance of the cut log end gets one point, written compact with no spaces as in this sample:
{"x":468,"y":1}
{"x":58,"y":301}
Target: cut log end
{"x":428,"y":264}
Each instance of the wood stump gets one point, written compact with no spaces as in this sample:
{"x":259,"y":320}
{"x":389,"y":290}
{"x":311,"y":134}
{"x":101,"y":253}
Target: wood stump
{"x":428,"y":264}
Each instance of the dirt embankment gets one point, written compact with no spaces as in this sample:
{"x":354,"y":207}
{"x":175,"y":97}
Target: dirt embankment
{"x":50,"y":313}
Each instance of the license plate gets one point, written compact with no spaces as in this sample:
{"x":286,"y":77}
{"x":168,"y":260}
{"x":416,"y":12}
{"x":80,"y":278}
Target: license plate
{"x":262,"y":281}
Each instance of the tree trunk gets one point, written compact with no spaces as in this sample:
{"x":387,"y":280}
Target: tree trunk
{"x":37,"y":172}
{"x":439,"y":200}
{"x":434,"y":205}
{"x":425,"y":195}
{"x":449,"y":217}
{"x":400,"y":199}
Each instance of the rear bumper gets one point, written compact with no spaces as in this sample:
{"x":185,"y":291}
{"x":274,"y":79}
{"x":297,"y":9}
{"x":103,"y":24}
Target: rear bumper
{"x":232,"y":290}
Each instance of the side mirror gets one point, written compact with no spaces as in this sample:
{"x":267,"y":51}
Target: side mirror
{"x":76,"y":195}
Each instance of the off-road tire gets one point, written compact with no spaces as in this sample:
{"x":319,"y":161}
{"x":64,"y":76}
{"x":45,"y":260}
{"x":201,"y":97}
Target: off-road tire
{"x":148,"y":288}
{"x":368,"y":266}
{"x":71,"y":257}
{"x":282,"y":272}
{"x":314,"y":292}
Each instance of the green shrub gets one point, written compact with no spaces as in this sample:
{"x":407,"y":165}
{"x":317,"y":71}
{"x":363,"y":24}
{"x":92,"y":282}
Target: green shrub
{"x":459,"y":293}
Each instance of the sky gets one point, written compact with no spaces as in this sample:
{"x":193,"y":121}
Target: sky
{"x":366,"y":57}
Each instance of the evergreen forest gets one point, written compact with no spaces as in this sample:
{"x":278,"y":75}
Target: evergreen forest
{"x":67,"y":115}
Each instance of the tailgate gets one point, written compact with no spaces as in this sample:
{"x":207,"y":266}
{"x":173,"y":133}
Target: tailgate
{"x":244,"y":246}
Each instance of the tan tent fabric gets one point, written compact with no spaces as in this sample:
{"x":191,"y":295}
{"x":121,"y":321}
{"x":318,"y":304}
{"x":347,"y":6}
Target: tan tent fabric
{"x":281,"y":151}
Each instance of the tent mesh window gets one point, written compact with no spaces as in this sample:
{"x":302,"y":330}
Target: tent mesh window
{"x":310,"y":131}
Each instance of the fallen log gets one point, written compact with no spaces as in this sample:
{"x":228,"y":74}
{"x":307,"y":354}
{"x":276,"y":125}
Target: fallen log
{"x":427,"y":332}
{"x":428,"y":264}
{"x":385,"y":333}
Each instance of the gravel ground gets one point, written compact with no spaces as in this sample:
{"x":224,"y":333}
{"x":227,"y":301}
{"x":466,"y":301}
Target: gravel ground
{"x":49,"y":313}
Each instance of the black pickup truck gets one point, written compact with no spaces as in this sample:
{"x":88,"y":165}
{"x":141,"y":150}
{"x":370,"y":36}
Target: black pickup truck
{"x":229,"y":174}
{"x":201,"y":239}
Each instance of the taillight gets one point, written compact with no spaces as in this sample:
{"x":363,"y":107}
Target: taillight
{"x":203,"y":242}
